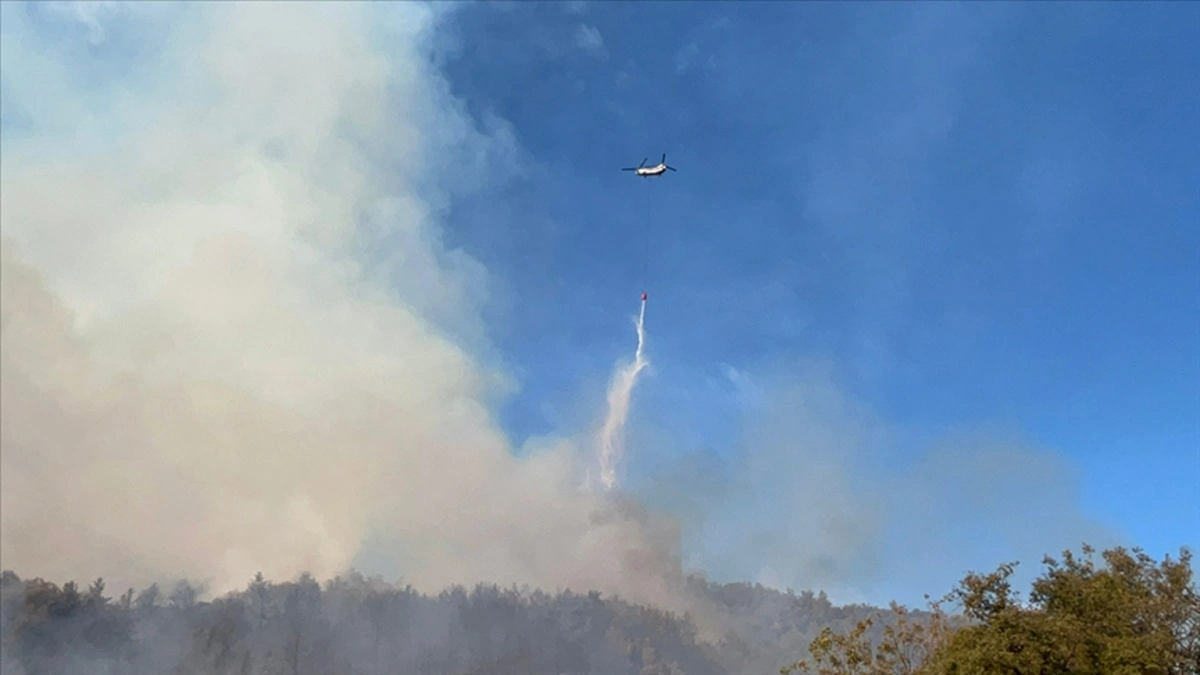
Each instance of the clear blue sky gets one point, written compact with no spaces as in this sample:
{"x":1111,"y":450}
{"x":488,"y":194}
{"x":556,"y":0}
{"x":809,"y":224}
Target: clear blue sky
{"x":985,"y":214}
{"x":980,"y":219}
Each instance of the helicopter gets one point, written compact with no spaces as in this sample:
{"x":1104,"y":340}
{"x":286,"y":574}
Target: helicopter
{"x":647,"y":171}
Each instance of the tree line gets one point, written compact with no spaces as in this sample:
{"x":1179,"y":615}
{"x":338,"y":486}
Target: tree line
{"x":352,"y":625}
{"x":1123,"y":614}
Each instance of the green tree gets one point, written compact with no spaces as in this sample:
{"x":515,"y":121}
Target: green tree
{"x":1129,"y":616}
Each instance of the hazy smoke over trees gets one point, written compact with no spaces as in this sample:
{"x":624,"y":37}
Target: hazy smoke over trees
{"x":364,"y":626}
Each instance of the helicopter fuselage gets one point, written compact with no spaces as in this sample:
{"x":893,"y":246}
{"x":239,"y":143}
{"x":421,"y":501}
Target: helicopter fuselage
{"x":657,"y":170}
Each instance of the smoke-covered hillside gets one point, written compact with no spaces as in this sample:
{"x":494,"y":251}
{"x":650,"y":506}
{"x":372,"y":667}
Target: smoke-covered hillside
{"x":354,"y":625}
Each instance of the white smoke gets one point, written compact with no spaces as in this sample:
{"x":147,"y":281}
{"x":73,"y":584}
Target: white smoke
{"x":620,"y":395}
{"x":232,"y":340}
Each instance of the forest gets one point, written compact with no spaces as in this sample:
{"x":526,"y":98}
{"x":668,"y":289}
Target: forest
{"x":1118,"y":613}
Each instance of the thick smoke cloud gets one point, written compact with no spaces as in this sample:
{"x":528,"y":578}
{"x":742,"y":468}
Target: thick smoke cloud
{"x":232,"y":339}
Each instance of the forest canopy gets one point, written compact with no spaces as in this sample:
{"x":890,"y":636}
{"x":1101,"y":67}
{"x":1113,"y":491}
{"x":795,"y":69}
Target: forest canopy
{"x":1122,"y":614}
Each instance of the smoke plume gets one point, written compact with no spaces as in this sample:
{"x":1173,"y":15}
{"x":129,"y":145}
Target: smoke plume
{"x":232,"y":338}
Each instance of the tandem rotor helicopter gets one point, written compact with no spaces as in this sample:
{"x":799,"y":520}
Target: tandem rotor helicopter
{"x":648,"y":171}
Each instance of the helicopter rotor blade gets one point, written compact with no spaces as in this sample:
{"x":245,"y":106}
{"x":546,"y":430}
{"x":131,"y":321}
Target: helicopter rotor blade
{"x":670,"y":167}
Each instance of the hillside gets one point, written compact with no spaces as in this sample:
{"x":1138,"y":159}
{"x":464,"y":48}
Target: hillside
{"x":364,"y":626}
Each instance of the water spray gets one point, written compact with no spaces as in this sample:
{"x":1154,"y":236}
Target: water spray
{"x":620,"y":393}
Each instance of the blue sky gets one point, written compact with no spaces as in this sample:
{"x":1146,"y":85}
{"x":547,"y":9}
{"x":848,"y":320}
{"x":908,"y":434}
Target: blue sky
{"x":924,"y":291}
{"x":983,"y":215}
